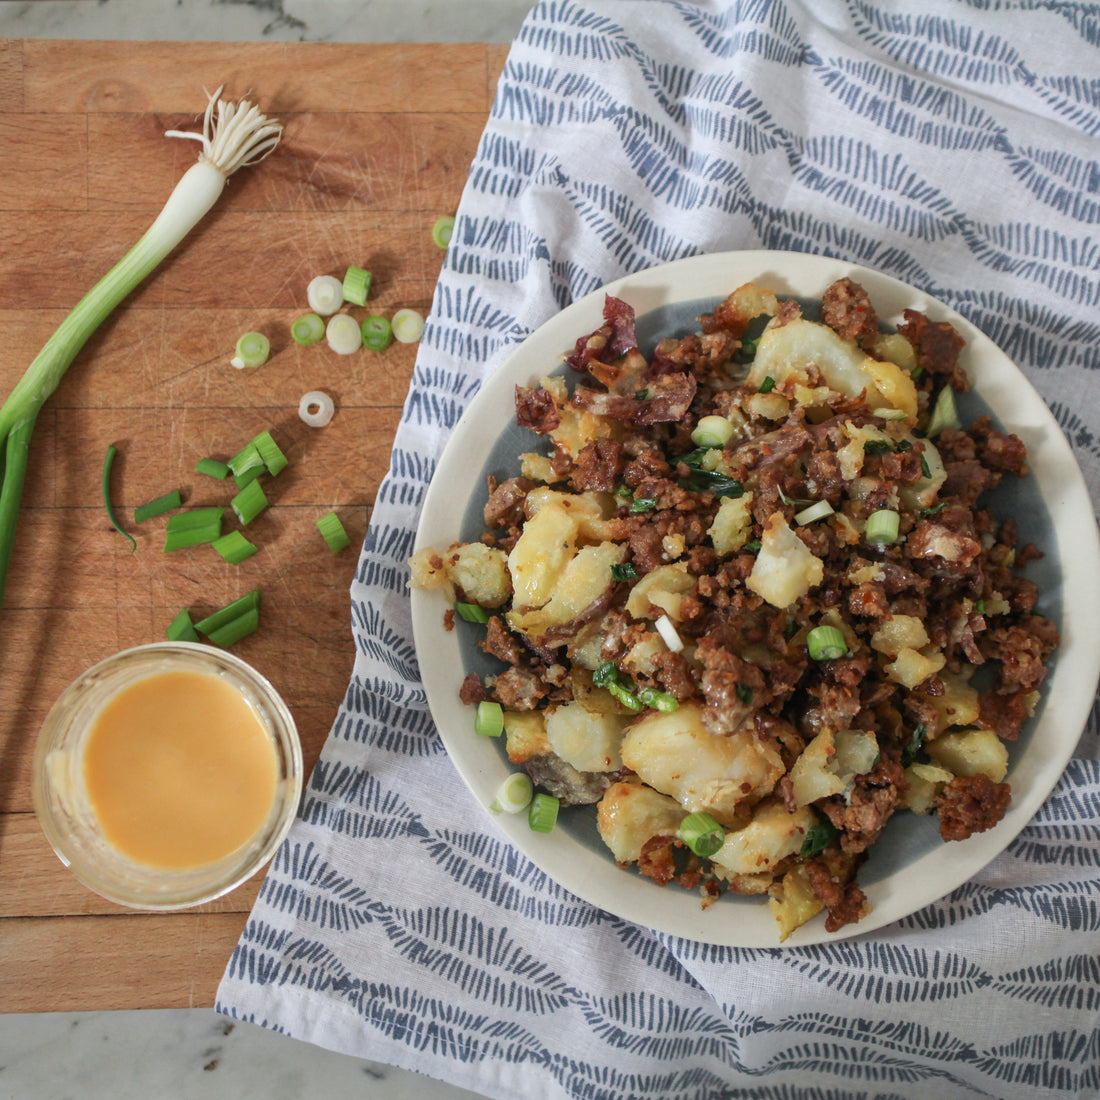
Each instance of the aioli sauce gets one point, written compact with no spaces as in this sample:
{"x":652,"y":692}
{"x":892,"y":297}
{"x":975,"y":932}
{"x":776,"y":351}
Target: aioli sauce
{"x":179,"y":770}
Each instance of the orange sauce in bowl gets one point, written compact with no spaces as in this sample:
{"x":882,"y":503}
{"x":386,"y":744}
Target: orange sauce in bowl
{"x":179,"y":770}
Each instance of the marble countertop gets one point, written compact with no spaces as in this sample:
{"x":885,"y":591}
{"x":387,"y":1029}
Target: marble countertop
{"x":192,"y":1054}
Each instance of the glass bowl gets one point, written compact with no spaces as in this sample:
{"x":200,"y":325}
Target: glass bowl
{"x":65,"y":809}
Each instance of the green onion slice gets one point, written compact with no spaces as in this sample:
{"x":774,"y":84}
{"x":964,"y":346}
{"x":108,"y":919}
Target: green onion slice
{"x":193,"y":527}
{"x":643,"y":504}
{"x":712,"y":431}
{"x":818,"y":510}
{"x":471,"y":613}
{"x":234,"y":547}
{"x":108,"y":462}
{"x":658,"y":700}
{"x":625,"y":696}
{"x":307,"y":330}
{"x":443,"y":230}
{"x":181,"y":628}
{"x":249,"y":503}
{"x":270,"y":452}
{"x":325,"y":294}
{"x":253,"y":350}
{"x":212,"y":468}
{"x":767,"y":385}
{"x":408,"y":326}
{"x":624,"y":572}
{"x":945,"y":414}
{"x":235,"y":629}
{"x":818,"y":838}
{"x":158,"y":507}
{"x":605,"y":674}
{"x":343,"y":334}
{"x":882,"y":527}
{"x":489,"y":719}
{"x":250,"y":601}
{"x":702,"y":834}
{"x":377,"y":333}
{"x":356,"y":286}
{"x":513,"y":795}
{"x":332,"y":530}
{"x":826,"y":643}
{"x":542,"y":814}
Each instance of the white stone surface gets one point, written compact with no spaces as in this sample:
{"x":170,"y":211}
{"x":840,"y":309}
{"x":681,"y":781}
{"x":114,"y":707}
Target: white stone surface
{"x":195,"y":1054}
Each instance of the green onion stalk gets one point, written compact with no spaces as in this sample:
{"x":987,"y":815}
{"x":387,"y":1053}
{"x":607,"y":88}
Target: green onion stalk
{"x":234,"y":135}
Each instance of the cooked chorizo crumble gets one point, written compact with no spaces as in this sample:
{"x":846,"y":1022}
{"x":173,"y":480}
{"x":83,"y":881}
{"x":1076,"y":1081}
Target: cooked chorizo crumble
{"x":752,"y":577}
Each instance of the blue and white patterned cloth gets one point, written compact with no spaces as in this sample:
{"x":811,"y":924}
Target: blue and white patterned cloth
{"x":952,"y":144}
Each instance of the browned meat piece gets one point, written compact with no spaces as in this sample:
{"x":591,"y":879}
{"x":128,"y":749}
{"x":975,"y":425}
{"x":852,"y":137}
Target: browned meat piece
{"x":937,"y":346}
{"x":504,"y":508}
{"x":846,"y":308}
{"x":571,"y":787}
{"x":472,"y":690}
{"x":499,"y":642}
{"x":665,"y":858}
{"x":598,"y":467}
{"x":871,"y":804}
{"x":1022,"y":651}
{"x":535,"y":409}
{"x":971,"y":804}
{"x":1001,"y":451}
{"x":612,"y":340}
{"x":518,"y":689}
{"x":832,"y":878}
{"x":1004,"y":714}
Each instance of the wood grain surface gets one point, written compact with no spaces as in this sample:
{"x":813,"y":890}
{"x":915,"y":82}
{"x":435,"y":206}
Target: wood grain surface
{"x":378,"y":142}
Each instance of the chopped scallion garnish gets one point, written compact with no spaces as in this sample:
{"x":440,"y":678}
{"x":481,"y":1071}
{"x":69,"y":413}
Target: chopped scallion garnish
{"x":818,"y":838}
{"x":542,"y":814}
{"x":489,"y":719}
{"x":212,"y":468}
{"x":767,"y":385}
{"x":325,"y":294}
{"x":625,"y":696}
{"x":249,"y":503}
{"x":108,"y":462}
{"x":270,"y":453}
{"x":471,"y":613}
{"x":944,"y":413}
{"x":669,"y":634}
{"x":377,"y":333}
{"x":250,"y":601}
{"x":356,"y":286}
{"x":332,"y":530}
{"x":818,"y":510}
{"x":712,"y":431}
{"x":513,"y":795}
{"x":624,"y":572}
{"x":307,"y":330}
{"x":253,"y":350}
{"x":407,"y":325}
{"x":316,"y":408}
{"x":658,"y":700}
{"x":702,"y":834}
{"x":643,"y":504}
{"x":193,"y":528}
{"x":343,"y":334}
{"x":158,"y":507}
{"x":443,"y":230}
{"x":234,"y":547}
{"x":826,"y":643}
{"x":248,"y":622}
{"x":181,"y":628}
{"x":882,"y":527}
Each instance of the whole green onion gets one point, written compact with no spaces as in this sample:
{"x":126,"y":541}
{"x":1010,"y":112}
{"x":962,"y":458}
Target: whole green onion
{"x":239,"y":135}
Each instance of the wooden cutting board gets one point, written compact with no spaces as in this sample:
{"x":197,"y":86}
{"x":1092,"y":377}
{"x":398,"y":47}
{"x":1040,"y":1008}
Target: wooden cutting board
{"x":378,"y":143}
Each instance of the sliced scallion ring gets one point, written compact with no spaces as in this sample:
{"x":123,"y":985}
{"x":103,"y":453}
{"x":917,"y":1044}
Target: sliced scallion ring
{"x":307,"y":330}
{"x":669,"y":634}
{"x":945,"y":414}
{"x":513,"y":795}
{"x":407,"y":325}
{"x":356,"y":286}
{"x":316,"y":408}
{"x":889,"y":414}
{"x":253,"y":350}
{"x":712,"y":431}
{"x":325,"y":295}
{"x":542,"y":814}
{"x":377,"y":333}
{"x":818,"y":510}
{"x":882,"y":527}
{"x":212,"y":468}
{"x":489,"y":719}
{"x":234,"y":547}
{"x":158,"y":507}
{"x":471,"y":612}
{"x":826,"y":643}
{"x":332,"y":530}
{"x":702,"y":834}
{"x":248,"y":503}
{"x":343,"y":334}
{"x":443,"y":230}
{"x":181,"y":628}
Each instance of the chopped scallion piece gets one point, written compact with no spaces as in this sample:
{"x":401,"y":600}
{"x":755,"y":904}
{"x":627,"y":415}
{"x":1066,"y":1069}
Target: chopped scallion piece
{"x":658,"y":700}
{"x":443,"y":230}
{"x":193,"y":527}
{"x":377,"y":333}
{"x":325,"y":294}
{"x":767,"y":385}
{"x":818,"y":510}
{"x":234,"y":547}
{"x":158,"y":507}
{"x":212,"y":468}
{"x":887,"y":413}
{"x":316,"y":408}
{"x":407,"y":325}
{"x":643,"y":504}
{"x":332,"y":530}
{"x":702,"y":834}
{"x":247,"y":464}
{"x":625,"y":696}
{"x":542,"y":814}
{"x":945,"y":414}
{"x":624,"y":572}
{"x":712,"y":431}
{"x":818,"y":838}
{"x":307,"y":330}
{"x":669,"y":634}
{"x":181,"y":628}
{"x":248,"y":503}
{"x":744,"y":693}
{"x":356,"y":287}
{"x":253,"y":350}
{"x":605,"y":674}
{"x":916,"y":741}
{"x":489,"y":719}
{"x":343,"y":334}
{"x":826,"y":643}
{"x":471,"y":613}
{"x":108,"y":462}
{"x":270,"y":453}
{"x":882,"y":527}
{"x":234,"y":630}
{"x":513,"y":795}
{"x":250,"y":601}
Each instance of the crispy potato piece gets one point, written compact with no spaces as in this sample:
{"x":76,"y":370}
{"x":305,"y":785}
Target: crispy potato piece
{"x":662,"y":588}
{"x":773,"y":834}
{"x":785,"y":568}
{"x":793,"y":902}
{"x":970,"y":752}
{"x":630,"y":813}
{"x":587,"y":739}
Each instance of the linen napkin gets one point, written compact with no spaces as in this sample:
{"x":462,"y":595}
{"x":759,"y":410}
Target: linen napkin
{"x":951,"y":144}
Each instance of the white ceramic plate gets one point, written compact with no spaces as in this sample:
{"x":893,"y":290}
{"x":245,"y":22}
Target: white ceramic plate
{"x":910,"y":866}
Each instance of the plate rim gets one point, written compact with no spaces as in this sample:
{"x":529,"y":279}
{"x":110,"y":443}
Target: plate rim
{"x":629,"y":896}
